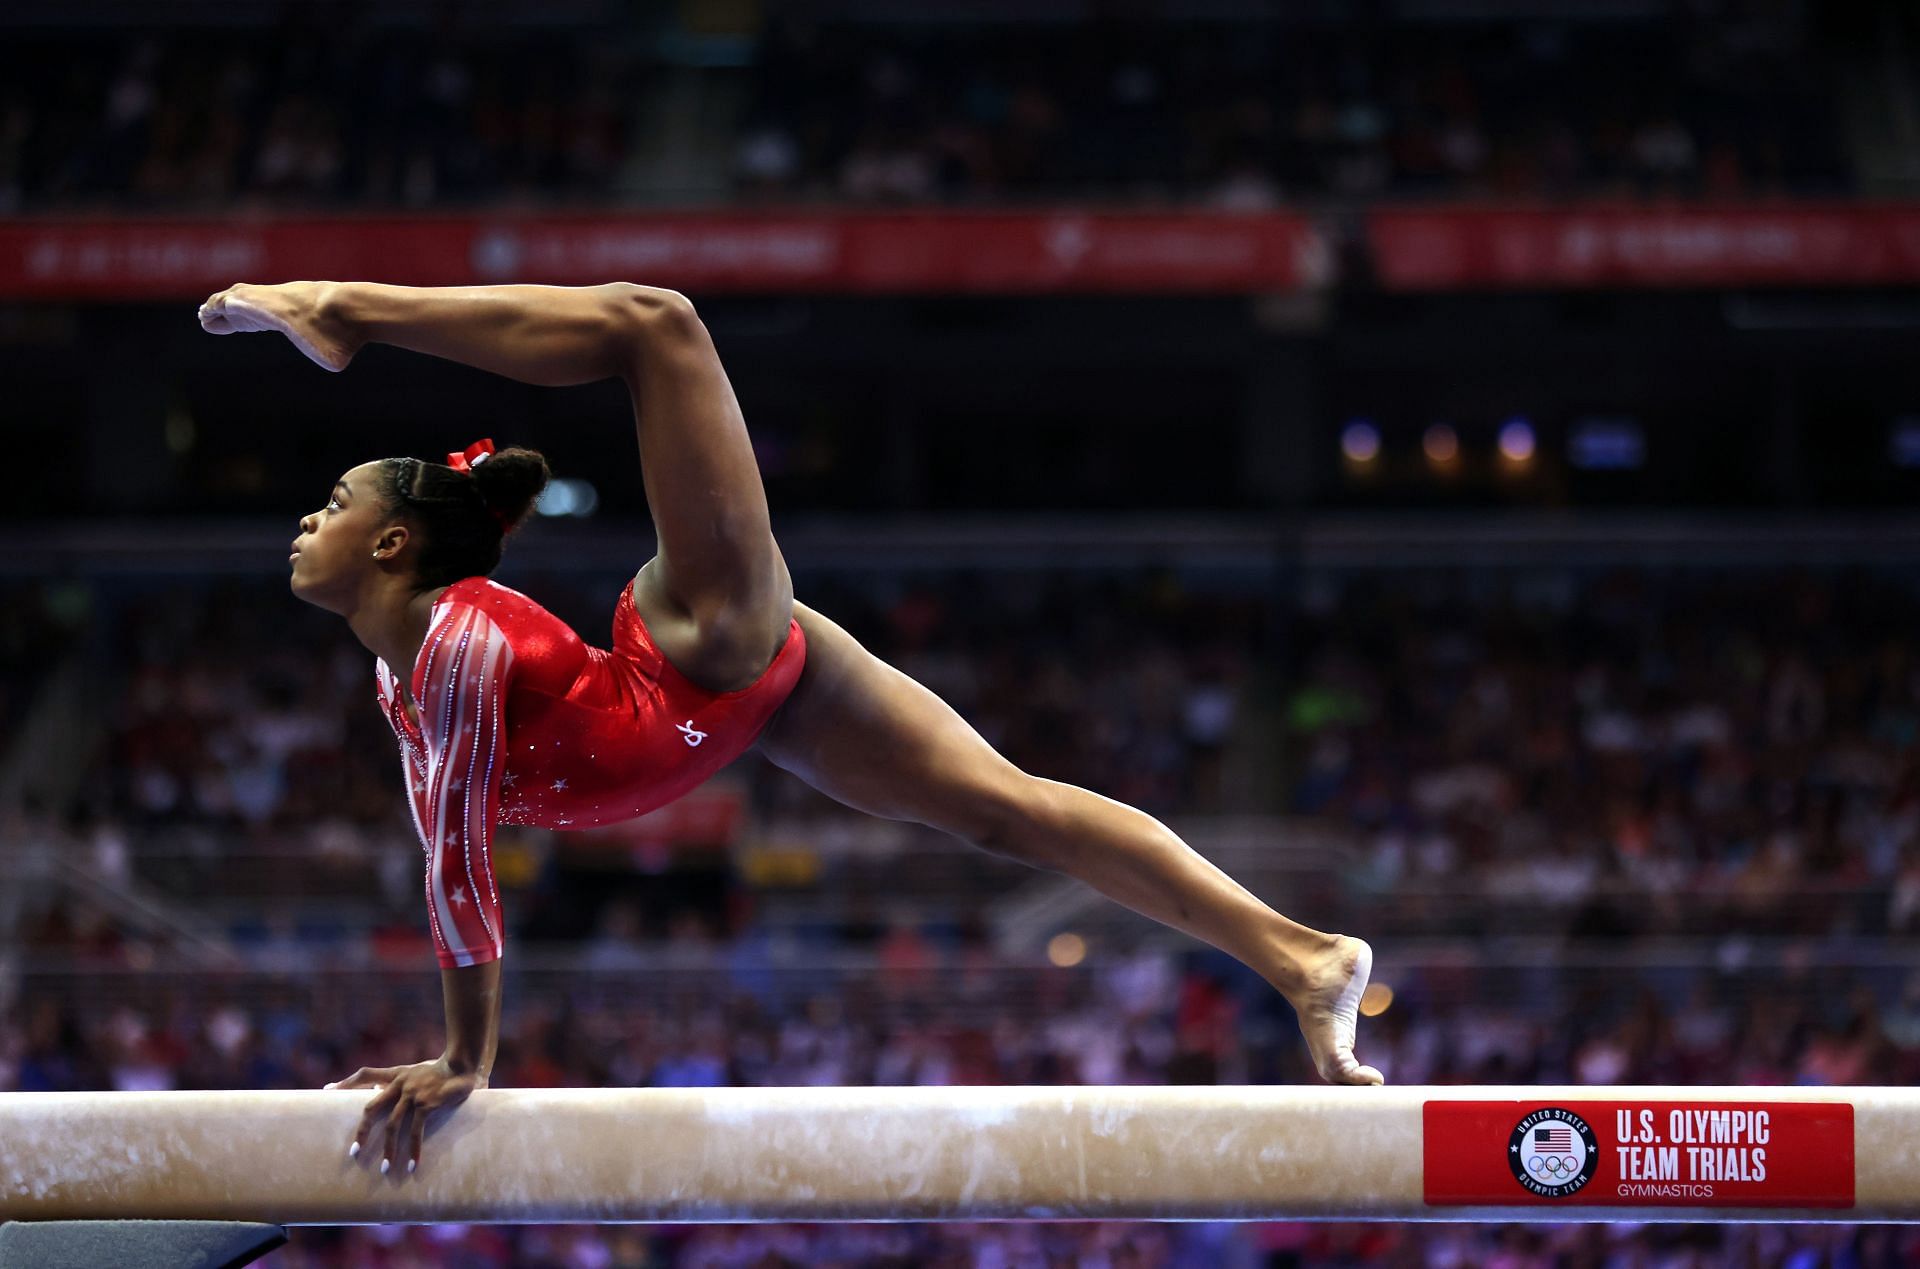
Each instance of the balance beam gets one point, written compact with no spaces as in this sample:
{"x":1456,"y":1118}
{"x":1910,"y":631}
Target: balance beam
{"x":979,"y":1153}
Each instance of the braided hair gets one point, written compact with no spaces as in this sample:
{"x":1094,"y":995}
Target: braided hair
{"x":464,"y":517}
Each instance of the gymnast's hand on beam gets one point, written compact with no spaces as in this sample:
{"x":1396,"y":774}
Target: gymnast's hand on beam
{"x":407,"y":1096}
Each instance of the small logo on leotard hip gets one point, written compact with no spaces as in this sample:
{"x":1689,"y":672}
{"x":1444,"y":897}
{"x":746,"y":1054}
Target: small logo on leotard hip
{"x":693,"y":737}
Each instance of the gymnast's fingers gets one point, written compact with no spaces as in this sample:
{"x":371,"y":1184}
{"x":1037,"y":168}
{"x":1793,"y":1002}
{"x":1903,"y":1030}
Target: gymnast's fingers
{"x":371,"y":1116}
{"x":417,"y":1138}
{"x":396,"y":1132}
{"x":367,"y":1077}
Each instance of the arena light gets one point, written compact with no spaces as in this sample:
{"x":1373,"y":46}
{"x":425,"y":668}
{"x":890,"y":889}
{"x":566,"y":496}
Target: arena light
{"x":564,"y":497}
{"x":1517,"y":442}
{"x":1441,"y":444}
{"x":1360,"y":442}
{"x":1607,"y":444}
{"x":1066,"y":950}
{"x":1246,"y":1152}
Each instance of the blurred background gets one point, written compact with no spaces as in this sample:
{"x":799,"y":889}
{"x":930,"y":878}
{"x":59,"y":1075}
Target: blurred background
{"x":1450,"y":459}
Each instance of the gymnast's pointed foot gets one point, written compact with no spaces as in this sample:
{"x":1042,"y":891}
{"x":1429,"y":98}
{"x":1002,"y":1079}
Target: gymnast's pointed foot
{"x":298,"y":310}
{"x":1329,"y":1008}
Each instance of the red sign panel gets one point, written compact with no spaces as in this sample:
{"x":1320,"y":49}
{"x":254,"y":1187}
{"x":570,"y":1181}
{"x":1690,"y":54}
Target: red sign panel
{"x":1014,"y":253}
{"x":1460,"y":248}
{"x":1043,"y":252}
{"x":1630,"y":1153}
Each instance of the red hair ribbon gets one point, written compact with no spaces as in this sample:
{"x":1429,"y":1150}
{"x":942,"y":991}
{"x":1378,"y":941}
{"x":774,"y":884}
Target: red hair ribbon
{"x":472,"y":456}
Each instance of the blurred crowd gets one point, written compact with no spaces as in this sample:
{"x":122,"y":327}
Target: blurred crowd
{"x":936,"y":1012}
{"x":1634,"y":753}
{"x":1108,"y":1245}
{"x":313,"y":115}
{"x":1244,"y":117}
{"x":1727,"y":102}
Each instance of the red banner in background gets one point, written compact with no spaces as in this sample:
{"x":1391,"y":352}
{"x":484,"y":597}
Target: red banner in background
{"x":1017,"y":253}
{"x":1572,"y":249}
{"x":821,"y":252}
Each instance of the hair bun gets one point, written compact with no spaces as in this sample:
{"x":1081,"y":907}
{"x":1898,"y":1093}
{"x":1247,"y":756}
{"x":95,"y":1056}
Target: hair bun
{"x":509,"y":480}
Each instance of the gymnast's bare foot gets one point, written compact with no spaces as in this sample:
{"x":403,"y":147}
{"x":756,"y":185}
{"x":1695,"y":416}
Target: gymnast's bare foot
{"x":297,"y":310}
{"x":1329,"y":1007}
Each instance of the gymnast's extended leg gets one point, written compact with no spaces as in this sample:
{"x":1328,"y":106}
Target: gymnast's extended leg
{"x":869,"y":736}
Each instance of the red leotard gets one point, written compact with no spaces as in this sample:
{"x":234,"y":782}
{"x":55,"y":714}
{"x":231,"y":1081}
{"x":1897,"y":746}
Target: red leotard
{"x":523,"y":723}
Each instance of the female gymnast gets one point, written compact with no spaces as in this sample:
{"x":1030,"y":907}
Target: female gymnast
{"x":504,"y":715}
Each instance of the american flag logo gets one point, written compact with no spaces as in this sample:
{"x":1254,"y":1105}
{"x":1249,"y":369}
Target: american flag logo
{"x":1553,"y":1139}
{"x":1552,"y":1152}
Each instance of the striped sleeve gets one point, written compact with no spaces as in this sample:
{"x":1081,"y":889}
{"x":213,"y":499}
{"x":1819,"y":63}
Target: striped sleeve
{"x":462,"y":717}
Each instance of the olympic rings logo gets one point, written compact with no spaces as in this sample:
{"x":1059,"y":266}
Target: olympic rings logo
{"x":1552,"y":1152}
